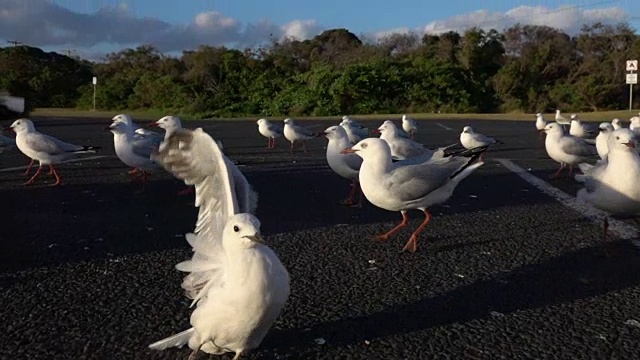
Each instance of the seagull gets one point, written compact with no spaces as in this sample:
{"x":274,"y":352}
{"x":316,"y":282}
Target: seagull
{"x":6,"y":143}
{"x":540,"y":123}
{"x":401,"y":147}
{"x":354,"y":133}
{"x":561,"y":119}
{"x":345,"y":165}
{"x":170,"y":124}
{"x":355,"y":124}
{"x":410,"y":126}
{"x":243,"y":284}
{"x":579,"y":129}
{"x":566,"y":149}
{"x":612,"y":186}
{"x":616,"y":124}
{"x":472,"y":140}
{"x":635,"y":124}
{"x":403,"y":186}
{"x":134,"y":150}
{"x":605,"y":129}
{"x":293,"y":133}
{"x":269,"y":130}
{"x":46,"y":149}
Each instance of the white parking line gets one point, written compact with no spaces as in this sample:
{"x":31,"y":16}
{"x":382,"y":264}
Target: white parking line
{"x":444,"y":126}
{"x":68,"y":161}
{"x":621,"y":229}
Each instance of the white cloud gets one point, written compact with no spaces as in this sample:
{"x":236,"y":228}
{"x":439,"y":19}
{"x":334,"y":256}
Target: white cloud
{"x":45,"y":24}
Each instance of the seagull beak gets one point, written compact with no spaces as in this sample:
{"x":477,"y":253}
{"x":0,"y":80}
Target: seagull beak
{"x":348,"y":151}
{"x":7,"y":128}
{"x":375,"y":131}
{"x":256,"y":238}
{"x":153,"y":124}
{"x":631,"y":144}
{"x":108,"y":128}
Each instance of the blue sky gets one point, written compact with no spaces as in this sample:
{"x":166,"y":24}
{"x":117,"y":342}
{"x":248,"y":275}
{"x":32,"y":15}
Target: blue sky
{"x":98,"y":26}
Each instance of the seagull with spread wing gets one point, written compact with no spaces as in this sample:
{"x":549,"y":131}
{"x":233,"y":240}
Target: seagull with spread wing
{"x":241,"y":285}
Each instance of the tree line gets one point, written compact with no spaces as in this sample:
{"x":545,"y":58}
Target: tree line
{"x":523,"y":68}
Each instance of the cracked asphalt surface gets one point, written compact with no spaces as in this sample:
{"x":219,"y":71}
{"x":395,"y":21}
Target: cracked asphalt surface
{"x":502,"y":271}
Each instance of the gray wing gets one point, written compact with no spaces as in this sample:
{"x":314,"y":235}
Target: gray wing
{"x":483,"y":139}
{"x":576,"y":146}
{"x":275,"y":128}
{"x":412,"y":182}
{"x":303,"y":131}
{"x":144,"y":146}
{"x":49,"y":145}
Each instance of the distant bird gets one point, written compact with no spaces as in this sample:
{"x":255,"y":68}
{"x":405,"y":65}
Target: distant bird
{"x":241,"y":286}
{"x":409,"y":126}
{"x":566,"y":149}
{"x":355,"y":124}
{"x":134,"y":150}
{"x":612,"y":185}
{"x":617,"y":124}
{"x":472,"y":140}
{"x":540,"y":123}
{"x":46,"y":149}
{"x":401,"y":147}
{"x":6,"y":143}
{"x":354,"y":131}
{"x":561,"y":119}
{"x":605,"y":129}
{"x":269,"y":130}
{"x":581,"y":130}
{"x":404,"y":186}
{"x":345,"y":165}
{"x":293,"y":133}
{"x":635,"y":124}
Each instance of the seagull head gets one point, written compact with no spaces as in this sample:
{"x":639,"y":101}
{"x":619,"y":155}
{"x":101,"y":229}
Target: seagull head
{"x":467,"y":129}
{"x":538,"y":115}
{"x":21,"y":125}
{"x":346,"y":118}
{"x":288,"y":121}
{"x":169,"y":123}
{"x":242,"y":231}
{"x":605,"y":127}
{"x":369,"y":148}
{"x":261,"y":122}
{"x":123,"y":118}
{"x":553,"y":128}
{"x":118,"y":127}
{"x":335,"y":133}
{"x":623,"y":140}
{"x":574,"y":117}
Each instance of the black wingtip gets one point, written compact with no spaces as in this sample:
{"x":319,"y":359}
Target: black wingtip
{"x":475,"y":154}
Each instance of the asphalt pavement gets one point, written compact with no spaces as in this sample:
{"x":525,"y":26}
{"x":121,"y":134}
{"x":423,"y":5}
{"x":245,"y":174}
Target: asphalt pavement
{"x":503,"y":271}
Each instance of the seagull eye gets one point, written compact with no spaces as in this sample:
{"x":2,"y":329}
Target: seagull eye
{"x":364,"y":145}
{"x":617,"y":137}
{"x":236,"y":228}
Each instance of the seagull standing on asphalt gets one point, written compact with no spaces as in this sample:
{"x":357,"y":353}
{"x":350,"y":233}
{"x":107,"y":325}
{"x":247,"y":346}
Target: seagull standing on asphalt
{"x":293,"y":133}
{"x":354,"y":132}
{"x":635,"y":124}
{"x":409,"y":126}
{"x":579,"y":129}
{"x":473,"y":140}
{"x":540,"y":124}
{"x":242,"y":285}
{"x":269,"y":130}
{"x":616,"y":124}
{"x":345,"y":165}
{"x":561,"y":119}
{"x":605,"y":129}
{"x":401,"y":147}
{"x":566,"y":149}
{"x":46,"y":149}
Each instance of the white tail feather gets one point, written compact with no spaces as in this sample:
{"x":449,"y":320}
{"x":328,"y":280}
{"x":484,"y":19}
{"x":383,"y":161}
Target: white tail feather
{"x":177,"y":340}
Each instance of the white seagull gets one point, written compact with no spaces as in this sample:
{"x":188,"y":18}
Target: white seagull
{"x":566,"y":149}
{"x":561,"y":119}
{"x":293,"y":133}
{"x":46,"y":149}
{"x":269,"y":130}
{"x":612,"y":186}
{"x":605,"y":129}
{"x":472,"y":140}
{"x":404,"y":186}
{"x":410,"y":126}
{"x":354,"y":132}
{"x":540,"y":123}
{"x":357,"y":125}
{"x":345,"y":165}
{"x":245,"y":286}
{"x":635,"y":124}
{"x":401,"y":147}
{"x":579,"y":129}
{"x":134,"y":150}
{"x":617,"y":124}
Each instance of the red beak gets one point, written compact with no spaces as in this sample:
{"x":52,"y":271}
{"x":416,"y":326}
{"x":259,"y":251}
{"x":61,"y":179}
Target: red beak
{"x":7,"y":128}
{"x":152,"y":124}
{"x":631,"y":144}
{"x":347,"y":151}
{"x":375,"y":131}
{"x":107,"y":128}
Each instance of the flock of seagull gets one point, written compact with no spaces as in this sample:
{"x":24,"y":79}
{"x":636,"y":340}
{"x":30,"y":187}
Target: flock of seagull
{"x":237,"y":283}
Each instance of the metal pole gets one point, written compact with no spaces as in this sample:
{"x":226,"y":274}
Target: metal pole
{"x":630,"y":97}
{"x":94,"y":97}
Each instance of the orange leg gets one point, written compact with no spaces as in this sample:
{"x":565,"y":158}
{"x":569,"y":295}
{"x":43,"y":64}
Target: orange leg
{"x":412,"y":135}
{"x":557,"y":173}
{"x":349,"y":201}
{"x":30,"y":181}
{"x":412,"y":244}
{"x":26,"y":172}
{"x":52,"y":170}
{"x":291,"y":150}
{"x":269,"y":143}
{"x":134,"y":171}
{"x":403,"y":223}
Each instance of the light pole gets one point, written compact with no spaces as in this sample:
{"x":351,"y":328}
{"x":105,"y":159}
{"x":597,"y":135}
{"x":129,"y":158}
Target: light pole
{"x":95,"y":82}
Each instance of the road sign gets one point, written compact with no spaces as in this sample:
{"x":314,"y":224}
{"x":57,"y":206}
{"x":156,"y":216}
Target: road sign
{"x":95,"y":80}
{"x":632,"y":79}
{"x":632,"y":65}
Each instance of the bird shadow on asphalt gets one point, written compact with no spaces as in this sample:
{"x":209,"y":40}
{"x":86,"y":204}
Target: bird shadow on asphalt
{"x":572,"y":276}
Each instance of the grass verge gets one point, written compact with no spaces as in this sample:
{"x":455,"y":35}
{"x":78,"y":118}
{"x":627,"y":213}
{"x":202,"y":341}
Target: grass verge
{"x":623,"y":115}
